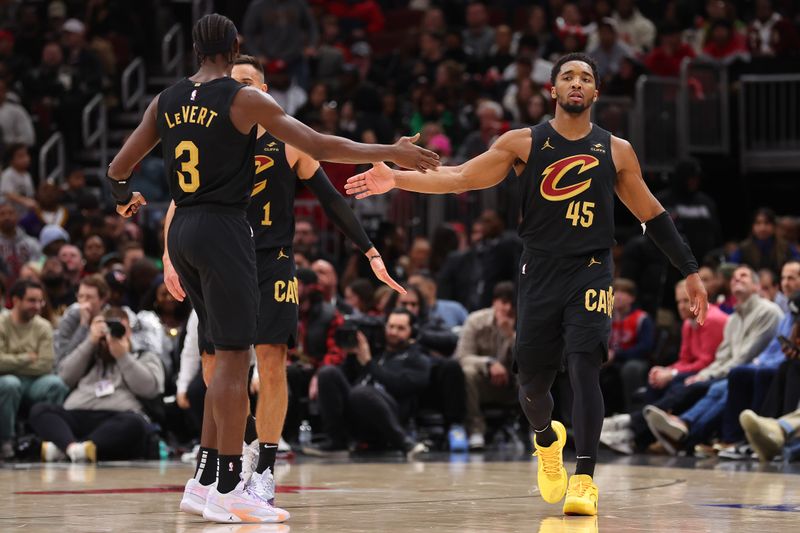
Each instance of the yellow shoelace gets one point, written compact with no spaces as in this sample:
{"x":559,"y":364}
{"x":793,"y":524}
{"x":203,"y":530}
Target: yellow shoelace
{"x":582,"y":487}
{"x":551,"y":461}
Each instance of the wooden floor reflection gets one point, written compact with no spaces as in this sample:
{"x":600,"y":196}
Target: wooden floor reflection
{"x":461,"y":496}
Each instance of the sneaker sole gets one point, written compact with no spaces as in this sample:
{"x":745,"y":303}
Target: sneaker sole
{"x":579,"y":509}
{"x":191,"y":504}
{"x":215,"y":513}
{"x":668,"y":446}
{"x":664,"y":425}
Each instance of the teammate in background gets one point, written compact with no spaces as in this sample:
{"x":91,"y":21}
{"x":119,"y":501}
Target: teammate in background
{"x":567,"y":171}
{"x":271,"y":215}
{"x":207,"y":124}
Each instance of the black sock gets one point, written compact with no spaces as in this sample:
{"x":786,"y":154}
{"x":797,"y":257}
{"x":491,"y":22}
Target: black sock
{"x":250,"y":433}
{"x":266,"y":457}
{"x":546,"y":436}
{"x":206,"y":471}
{"x":585,"y":466}
{"x":229,"y":469}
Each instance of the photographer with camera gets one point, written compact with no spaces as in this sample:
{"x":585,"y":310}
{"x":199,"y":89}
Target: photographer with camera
{"x":371,"y":398}
{"x":103,"y":416}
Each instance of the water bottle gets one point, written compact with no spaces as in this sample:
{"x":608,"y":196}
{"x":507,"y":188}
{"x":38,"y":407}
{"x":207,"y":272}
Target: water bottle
{"x":163,"y":450}
{"x":305,"y":434}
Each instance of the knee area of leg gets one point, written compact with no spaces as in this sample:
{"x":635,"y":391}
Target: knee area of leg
{"x":362,"y":393}
{"x":10,"y":385}
{"x":327,"y":374}
{"x":39,"y":409}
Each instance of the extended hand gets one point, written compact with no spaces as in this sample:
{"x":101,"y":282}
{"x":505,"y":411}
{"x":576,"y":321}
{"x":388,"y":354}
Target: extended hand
{"x":698,"y":297}
{"x":498,"y":375}
{"x":132,"y":207}
{"x":377,"y":180}
{"x":172,"y":281}
{"x":379,"y":269}
{"x":408,"y":155}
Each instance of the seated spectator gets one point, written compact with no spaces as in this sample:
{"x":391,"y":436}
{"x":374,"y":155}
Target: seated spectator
{"x":723,"y":42}
{"x":315,"y":348}
{"x":478,"y":35}
{"x":49,"y":210}
{"x":16,"y":247}
{"x":623,"y":83}
{"x":452,"y":313}
{"x":491,"y":125}
{"x":629,"y":349}
{"x":73,"y":188}
{"x":634,"y":28}
{"x":94,"y":248}
{"x":171,"y":315}
{"x":93,"y":296}
{"x":747,"y":333}
{"x":72,"y":259}
{"x":609,"y":51}
{"x":770,"y":288}
{"x":51,"y":238}
{"x":770,"y":34}
{"x":666,"y":58}
{"x":371,"y":399}
{"x":746,"y":388}
{"x":26,"y":360}
{"x":446,"y":392}
{"x":16,"y":184}
{"x":698,"y":346}
{"x":485,"y":353}
{"x":360,"y":295}
{"x":16,"y":126}
{"x":764,"y":249}
{"x":328,"y":281}
{"x":103,"y":417}
{"x":60,"y":294}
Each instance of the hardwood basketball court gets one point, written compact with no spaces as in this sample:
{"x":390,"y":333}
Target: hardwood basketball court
{"x":441,"y":494}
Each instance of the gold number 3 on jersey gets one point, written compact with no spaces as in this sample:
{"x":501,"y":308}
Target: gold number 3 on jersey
{"x":188,"y":168}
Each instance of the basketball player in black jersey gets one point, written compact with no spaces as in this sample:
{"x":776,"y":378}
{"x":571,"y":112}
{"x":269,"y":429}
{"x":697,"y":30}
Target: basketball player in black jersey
{"x":568,"y":170}
{"x":207,"y":124}
{"x":278,"y":167}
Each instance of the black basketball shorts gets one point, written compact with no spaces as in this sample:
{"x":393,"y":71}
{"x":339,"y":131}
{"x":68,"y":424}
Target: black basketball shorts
{"x":564,"y":306}
{"x":277,"y":284}
{"x":211,"y":248}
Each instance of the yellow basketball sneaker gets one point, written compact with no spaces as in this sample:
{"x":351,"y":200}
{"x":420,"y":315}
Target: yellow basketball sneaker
{"x":582,"y":496}
{"x":552,"y":476}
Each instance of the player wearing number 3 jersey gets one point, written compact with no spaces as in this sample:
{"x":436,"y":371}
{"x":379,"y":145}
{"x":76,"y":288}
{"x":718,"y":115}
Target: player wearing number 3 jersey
{"x":207,"y":125}
{"x":567,"y":172}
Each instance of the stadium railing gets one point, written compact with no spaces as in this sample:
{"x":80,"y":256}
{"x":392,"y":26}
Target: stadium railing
{"x":703,"y":108}
{"x":54,"y":146}
{"x":133,"y":95}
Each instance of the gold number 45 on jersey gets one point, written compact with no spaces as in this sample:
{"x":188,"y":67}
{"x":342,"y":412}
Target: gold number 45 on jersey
{"x":580,"y":212}
{"x":188,"y":168}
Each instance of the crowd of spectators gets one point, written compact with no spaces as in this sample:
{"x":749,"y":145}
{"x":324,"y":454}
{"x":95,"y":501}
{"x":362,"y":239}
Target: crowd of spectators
{"x":439,"y":359}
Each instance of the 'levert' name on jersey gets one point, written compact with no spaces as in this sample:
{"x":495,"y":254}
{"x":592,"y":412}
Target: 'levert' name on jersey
{"x":191,"y":114}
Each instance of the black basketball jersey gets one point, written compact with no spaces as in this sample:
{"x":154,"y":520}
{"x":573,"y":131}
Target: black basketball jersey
{"x":207,"y":160}
{"x":567,"y":192}
{"x":271,"y":209}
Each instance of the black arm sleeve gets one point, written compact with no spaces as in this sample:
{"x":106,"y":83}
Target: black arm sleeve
{"x":337,"y":209}
{"x":664,"y":234}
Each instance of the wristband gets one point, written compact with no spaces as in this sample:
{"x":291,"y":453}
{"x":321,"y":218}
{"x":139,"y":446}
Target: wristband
{"x":374,"y":257}
{"x":120,"y":190}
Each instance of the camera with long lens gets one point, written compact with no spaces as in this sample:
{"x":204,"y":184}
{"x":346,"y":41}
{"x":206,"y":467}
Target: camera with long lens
{"x":373,"y":329}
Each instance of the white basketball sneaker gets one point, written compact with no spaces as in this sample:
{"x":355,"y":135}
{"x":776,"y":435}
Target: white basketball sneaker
{"x":242,"y":504}
{"x":264,"y":485}
{"x":194,"y":497}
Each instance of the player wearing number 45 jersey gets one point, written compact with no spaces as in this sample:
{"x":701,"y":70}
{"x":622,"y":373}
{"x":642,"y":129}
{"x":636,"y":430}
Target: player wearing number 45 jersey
{"x":207,"y":124}
{"x":567,"y":171}
{"x":278,"y":166}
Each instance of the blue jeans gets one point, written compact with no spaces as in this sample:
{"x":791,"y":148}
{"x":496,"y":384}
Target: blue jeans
{"x":706,"y":415}
{"x":14,"y":389}
{"x":748,"y":385}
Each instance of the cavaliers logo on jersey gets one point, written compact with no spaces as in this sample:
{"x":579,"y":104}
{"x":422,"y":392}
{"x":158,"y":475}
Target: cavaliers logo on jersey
{"x":262,"y":163}
{"x":555,"y":172}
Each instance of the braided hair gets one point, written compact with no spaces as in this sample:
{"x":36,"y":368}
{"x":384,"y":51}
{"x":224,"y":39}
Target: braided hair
{"x":214,"y":34}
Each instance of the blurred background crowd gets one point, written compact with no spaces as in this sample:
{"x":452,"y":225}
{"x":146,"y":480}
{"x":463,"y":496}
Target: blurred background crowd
{"x":460,"y":73}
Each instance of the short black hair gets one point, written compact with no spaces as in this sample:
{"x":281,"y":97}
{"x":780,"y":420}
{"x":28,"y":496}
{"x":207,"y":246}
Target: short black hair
{"x":252,"y":61}
{"x":575,"y":56}
{"x":412,"y":320}
{"x":11,"y":151}
{"x":212,"y":35}
{"x":504,"y":291}
{"x":20,"y":287}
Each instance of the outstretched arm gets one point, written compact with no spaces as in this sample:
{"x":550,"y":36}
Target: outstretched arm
{"x":171,"y":279}
{"x":658,"y":225}
{"x":143,"y":139}
{"x":335,"y":206}
{"x":252,"y":106}
{"x":481,"y":172}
